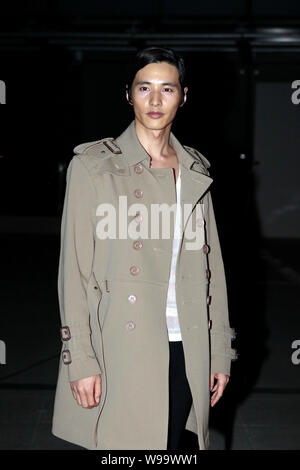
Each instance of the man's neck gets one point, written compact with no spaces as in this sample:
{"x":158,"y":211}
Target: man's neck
{"x":155,"y":142}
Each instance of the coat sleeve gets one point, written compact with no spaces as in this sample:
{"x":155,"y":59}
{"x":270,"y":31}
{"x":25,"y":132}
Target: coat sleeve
{"x":221,"y":334}
{"x":74,"y":272}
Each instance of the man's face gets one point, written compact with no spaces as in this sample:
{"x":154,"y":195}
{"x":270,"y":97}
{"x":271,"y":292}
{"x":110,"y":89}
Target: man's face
{"x":156,"y":88}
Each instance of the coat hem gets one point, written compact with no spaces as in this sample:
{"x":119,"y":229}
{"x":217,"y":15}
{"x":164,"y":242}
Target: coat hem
{"x":61,"y":433}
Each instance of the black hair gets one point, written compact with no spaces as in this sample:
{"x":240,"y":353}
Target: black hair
{"x":151,"y":55}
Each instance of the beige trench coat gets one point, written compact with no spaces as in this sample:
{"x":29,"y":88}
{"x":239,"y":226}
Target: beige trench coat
{"x":112,"y":297}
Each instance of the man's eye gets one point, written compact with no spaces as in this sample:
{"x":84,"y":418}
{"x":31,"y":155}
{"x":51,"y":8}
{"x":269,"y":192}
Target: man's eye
{"x":143,"y":88}
{"x":169,"y":89}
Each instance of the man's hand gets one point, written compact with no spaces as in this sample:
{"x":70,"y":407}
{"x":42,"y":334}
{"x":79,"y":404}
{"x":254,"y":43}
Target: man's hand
{"x":218,"y":389}
{"x":87,"y":391}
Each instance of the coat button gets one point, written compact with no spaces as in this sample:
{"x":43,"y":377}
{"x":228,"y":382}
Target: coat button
{"x":200,"y":222}
{"x":206,"y":249}
{"x":66,"y":357}
{"x":138,"y":169}
{"x":208,"y":274}
{"x":138,"y":218}
{"x":132,"y":298}
{"x":130,"y":325}
{"x":65,"y":333}
{"x":138,"y":193}
{"x":209,"y":324}
{"x":134,"y":270}
{"x":208,"y":300}
{"x":137,"y":245}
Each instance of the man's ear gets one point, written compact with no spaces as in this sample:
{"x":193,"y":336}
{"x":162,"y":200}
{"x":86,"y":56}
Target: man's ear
{"x":184,"y":96}
{"x":127,"y":95}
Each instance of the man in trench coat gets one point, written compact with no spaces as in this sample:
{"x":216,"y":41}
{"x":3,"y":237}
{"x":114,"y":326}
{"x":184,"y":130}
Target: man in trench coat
{"x":112,"y":296}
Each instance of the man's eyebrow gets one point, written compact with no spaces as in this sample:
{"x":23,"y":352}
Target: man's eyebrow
{"x":164,"y":83}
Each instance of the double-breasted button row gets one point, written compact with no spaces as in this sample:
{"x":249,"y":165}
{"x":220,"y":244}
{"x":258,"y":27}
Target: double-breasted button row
{"x":138,"y":169}
{"x":137,"y":245}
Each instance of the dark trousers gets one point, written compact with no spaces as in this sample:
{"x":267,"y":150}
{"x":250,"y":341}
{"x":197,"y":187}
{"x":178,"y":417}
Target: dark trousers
{"x":180,"y":398}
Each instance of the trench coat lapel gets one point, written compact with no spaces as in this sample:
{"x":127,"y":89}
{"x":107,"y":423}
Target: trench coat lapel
{"x":194,"y":181}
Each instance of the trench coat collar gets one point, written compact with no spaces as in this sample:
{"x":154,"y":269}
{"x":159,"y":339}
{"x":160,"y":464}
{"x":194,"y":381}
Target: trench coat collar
{"x":193,"y":170}
{"x":194,"y":178}
{"x":136,"y":153}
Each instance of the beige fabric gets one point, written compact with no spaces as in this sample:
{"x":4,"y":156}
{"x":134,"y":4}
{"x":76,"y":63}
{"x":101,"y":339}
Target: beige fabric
{"x":127,"y":342}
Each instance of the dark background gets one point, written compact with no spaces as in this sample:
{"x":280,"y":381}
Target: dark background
{"x":64,"y":65}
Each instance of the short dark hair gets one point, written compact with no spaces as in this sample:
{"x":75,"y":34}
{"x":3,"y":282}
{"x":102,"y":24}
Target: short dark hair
{"x":151,"y":55}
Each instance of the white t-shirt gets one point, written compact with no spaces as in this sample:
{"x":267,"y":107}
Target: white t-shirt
{"x":171,"y":310}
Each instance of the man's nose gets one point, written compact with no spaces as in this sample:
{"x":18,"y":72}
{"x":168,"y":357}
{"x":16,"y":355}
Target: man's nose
{"x":155,"y":98}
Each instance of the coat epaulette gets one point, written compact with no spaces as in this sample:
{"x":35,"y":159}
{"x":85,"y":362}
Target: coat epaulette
{"x":102,"y":156}
{"x":98,"y":147}
{"x":198,"y":156}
